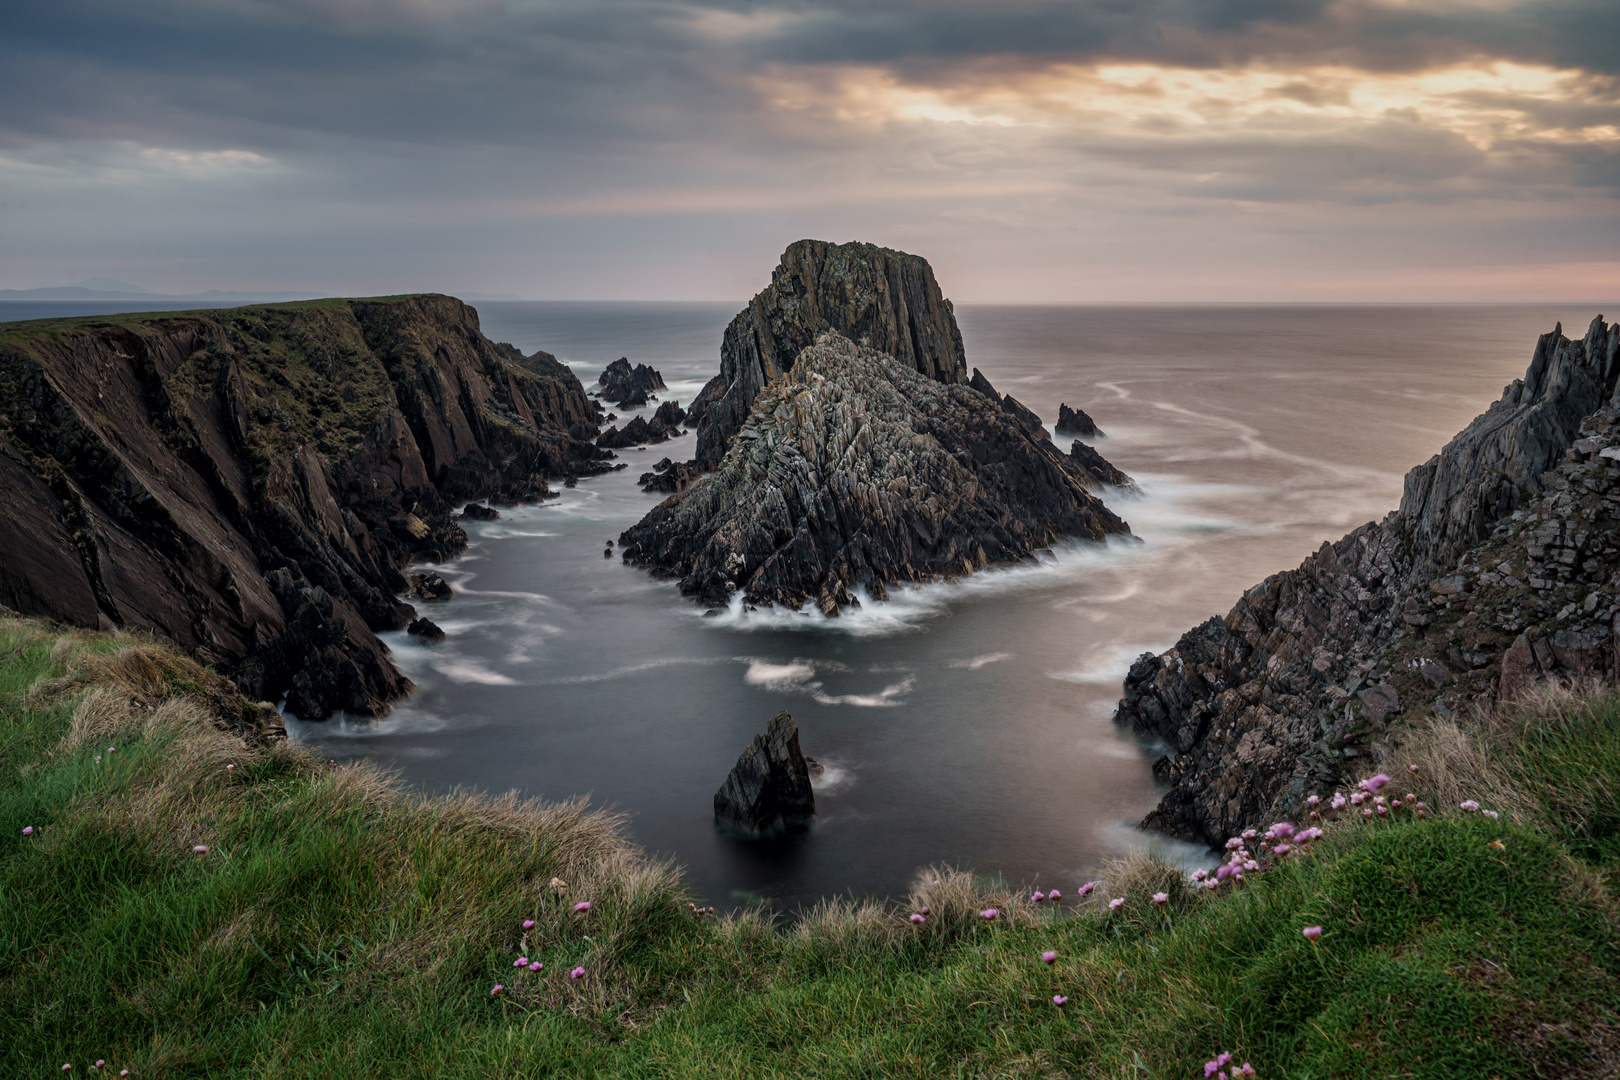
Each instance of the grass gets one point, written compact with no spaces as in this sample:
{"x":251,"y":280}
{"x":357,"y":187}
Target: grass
{"x":338,"y":927}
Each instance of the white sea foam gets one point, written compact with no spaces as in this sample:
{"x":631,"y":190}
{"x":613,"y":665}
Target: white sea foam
{"x":799,"y":677}
{"x":465,"y":670}
{"x":834,"y":777}
{"x":1106,"y":665}
{"x":777,"y":676}
{"x":635,"y":669}
{"x":974,"y":663}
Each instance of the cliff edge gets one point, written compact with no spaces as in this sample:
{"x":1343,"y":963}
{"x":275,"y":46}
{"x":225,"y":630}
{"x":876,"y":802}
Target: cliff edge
{"x":249,"y":483}
{"x":1501,"y":567}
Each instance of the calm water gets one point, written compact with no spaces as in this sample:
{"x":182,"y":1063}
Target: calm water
{"x":969,"y":723}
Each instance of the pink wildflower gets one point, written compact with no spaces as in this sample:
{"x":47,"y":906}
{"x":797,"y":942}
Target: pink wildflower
{"x":1250,"y":834}
{"x":1037,"y":896}
{"x":1373,"y":783}
{"x":1470,"y":805}
{"x":536,"y":966}
{"x":496,"y":990}
{"x":1088,"y":888}
{"x":1213,"y":1067}
{"x":577,"y":973}
{"x":1313,"y":800}
{"x":1059,"y":1000}
{"x":1492,"y":814}
{"x":918,"y":919}
{"x":1200,"y":875}
{"x":1281,"y":849}
{"x":1161,"y":898}
{"x":1338,"y":800}
{"x":528,"y":924}
{"x":101,"y":1063}
{"x":522,"y":961}
{"x":1116,"y":903}
{"x":201,"y":849}
{"x":1053,"y":897}
{"x":923,"y":910}
{"x":989,"y":914}
{"x":1048,"y":957}
{"x":1414,"y":768}
{"x":28,"y":830}
{"x":1312,"y":932}
{"x":583,"y":905}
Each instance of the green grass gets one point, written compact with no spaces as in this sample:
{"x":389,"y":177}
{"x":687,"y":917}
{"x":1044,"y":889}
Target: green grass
{"x":338,"y":928}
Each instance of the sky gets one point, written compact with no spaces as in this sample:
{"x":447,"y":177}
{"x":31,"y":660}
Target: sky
{"x":1032,"y":150}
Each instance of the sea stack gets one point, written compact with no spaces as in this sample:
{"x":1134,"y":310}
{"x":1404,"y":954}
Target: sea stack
{"x":879,"y":298}
{"x":854,"y":472}
{"x":768,"y":790}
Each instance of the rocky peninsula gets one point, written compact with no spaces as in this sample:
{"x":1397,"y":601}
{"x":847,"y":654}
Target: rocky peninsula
{"x":1500,"y":568}
{"x":249,"y":484}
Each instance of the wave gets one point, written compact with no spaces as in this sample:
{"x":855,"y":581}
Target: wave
{"x":1109,"y":668}
{"x":463,"y":670}
{"x":976,"y":662}
{"x":799,"y":677}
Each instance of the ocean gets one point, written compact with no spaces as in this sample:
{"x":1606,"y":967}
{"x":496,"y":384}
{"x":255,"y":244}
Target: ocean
{"x":967,"y":723}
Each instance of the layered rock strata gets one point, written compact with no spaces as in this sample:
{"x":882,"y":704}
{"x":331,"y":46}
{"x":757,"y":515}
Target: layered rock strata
{"x":1501,"y":567}
{"x":855,"y":471}
{"x":768,"y":791}
{"x":250,"y":483}
{"x":879,"y":298}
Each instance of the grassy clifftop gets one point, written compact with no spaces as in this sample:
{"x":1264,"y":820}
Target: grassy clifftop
{"x":179,"y":903}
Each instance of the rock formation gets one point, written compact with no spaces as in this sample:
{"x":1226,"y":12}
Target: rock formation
{"x":671,"y":415}
{"x":1076,"y":422}
{"x":768,"y":790}
{"x":250,"y":483}
{"x":855,"y":471}
{"x":671,"y":476}
{"x":640,"y":430}
{"x":1100,"y":468}
{"x":626,"y":387}
{"x":1501,"y":566}
{"x":882,"y":299}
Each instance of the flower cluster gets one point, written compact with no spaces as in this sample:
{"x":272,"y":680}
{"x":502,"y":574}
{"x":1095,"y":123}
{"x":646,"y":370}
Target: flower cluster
{"x":1217,"y":1068}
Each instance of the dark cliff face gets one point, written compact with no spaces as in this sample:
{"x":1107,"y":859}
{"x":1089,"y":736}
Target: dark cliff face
{"x":1501,"y":566}
{"x":878,"y":298}
{"x":855,"y":471}
{"x":248,"y":483}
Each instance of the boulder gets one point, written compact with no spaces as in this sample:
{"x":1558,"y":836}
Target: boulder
{"x":428,"y":586}
{"x":1076,"y":422}
{"x":670,"y":477}
{"x":855,"y":472}
{"x":480,"y":512}
{"x":670,"y":414}
{"x":426,"y":629}
{"x":768,"y":790}
{"x":879,"y":298}
{"x":1086,"y":460}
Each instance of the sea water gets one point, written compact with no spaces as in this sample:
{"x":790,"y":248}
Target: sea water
{"x":966,"y":723}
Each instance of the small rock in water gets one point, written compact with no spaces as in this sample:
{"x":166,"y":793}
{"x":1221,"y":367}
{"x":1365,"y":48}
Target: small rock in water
{"x":572,"y":481}
{"x":480,"y":512}
{"x":429,"y":586}
{"x":768,"y":791}
{"x":1076,"y":422}
{"x":607,"y":553}
{"x":426,"y":629}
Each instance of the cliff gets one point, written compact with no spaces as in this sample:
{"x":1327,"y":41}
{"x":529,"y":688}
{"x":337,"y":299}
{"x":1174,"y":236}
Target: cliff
{"x":879,"y":298}
{"x":853,"y":470}
{"x":1501,"y":567}
{"x":249,"y":483}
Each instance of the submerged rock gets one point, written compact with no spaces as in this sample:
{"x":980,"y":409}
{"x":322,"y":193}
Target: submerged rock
{"x":1076,"y":422}
{"x":768,"y":790}
{"x":428,"y":586}
{"x":854,"y":471}
{"x":480,"y":512}
{"x":880,"y":298}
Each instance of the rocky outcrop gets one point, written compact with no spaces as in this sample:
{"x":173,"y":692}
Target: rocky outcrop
{"x":249,"y":484}
{"x":639,"y":431}
{"x":1085,"y":459}
{"x":1022,"y":414}
{"x":671,"y":476}
{"x":670,"y":415}
{"x":855,"y":471}
{"x":1501,"y":567}
{"x":768,"y":790}
{"x":1076,"y":422}
{"x":878,"y":298}
{"x":627,"y":387}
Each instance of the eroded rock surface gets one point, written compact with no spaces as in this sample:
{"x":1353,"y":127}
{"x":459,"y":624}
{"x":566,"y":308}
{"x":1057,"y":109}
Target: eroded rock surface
{"x":1501,"y":567}
{"x":1076,"y":422}
{"x":768,"y":790}
{"x":879,"y":298}
{"x":854,"y":472}
{"x":627,"y":387}
{"x":250,"y":484}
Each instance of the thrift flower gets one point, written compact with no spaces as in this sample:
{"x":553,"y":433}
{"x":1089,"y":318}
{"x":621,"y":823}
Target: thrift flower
{"x":583,"y":905}
{"x":1048,"y":957}
{"x":989,"y":914}
{"x":1312,"y":932}
{"x":528,"y":924}
{"x":1338,"y":800}
{"x":28,"y":830}
{"x":1314,"y":800}
{"x":1470,"y":805}
{"x":577,"y":973}
{"x":496,"y":991}
{"x":1054,"y":896}
{"x":1059,"y":1000}
{"x":1088,"y":888}
{"x":1037,"y":896}
{"x":1414,"y":768}
{"x":1200,"y":875}
{"x":1492,"y":814}
{"x":1116,"y":903}
{"x":100,"y":1063}
{"x":1373,"y":783}
{"x":536,"y":966}
{"x":201,"y":849}
{"x":1281,"y":849}
{"x":923,"y":910}
{"x":1242,"y":1072}
{"x":918,"y":919}
{"x":1213,"y":1067}
{"x":1161,"y":898}
{"x":522,"y":961}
